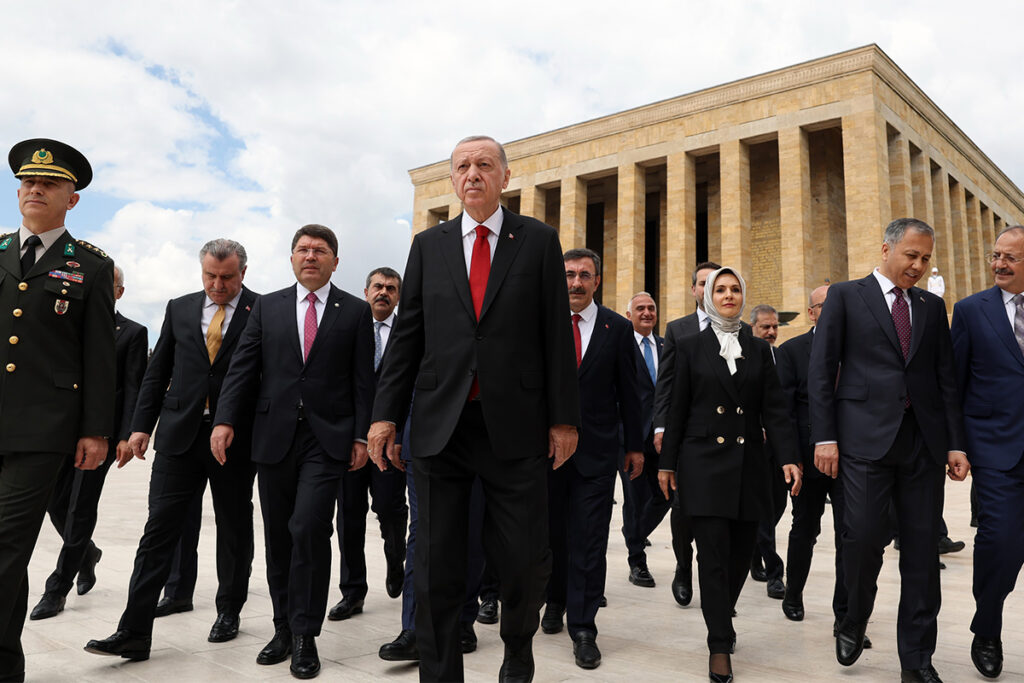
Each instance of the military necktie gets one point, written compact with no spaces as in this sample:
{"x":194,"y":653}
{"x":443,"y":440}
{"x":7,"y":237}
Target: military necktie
{"x":28,"y":259}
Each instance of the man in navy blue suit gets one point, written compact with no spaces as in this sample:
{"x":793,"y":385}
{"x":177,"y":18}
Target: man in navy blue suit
{"x":988,"y":343}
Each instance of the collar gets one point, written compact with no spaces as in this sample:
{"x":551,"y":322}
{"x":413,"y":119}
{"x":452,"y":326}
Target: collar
{"x":231,"y":304}
{"x":588,"y":313}
{"x":388,"y":321}
{"x":321,"y":294}
{"x":640,"y":338}
{"x":47,"y":238}
{"x":885,"y":283}
{"x":1007,"y":296}
{"x":493,"y":223}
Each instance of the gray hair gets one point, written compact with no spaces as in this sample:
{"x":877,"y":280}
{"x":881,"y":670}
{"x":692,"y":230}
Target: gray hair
{"x":633,"y":298}
{"x":479,"y":138}
{"x":894,"y":231}
{"x":1010,"y":228}
{"x":759,"y":309}
{"x":118,"y":275}
{"x":221,"y":248}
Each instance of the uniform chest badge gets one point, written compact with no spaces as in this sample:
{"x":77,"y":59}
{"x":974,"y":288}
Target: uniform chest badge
{"x":74,"y":264}
{"x":78,"y":278}
{"x":60,"y":307}
{"x":6,"y":243}
{"x":69,"y":249}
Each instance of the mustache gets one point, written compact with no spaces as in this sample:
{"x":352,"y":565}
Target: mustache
{"x":577,"y":290}
{"x":383,"y":297}
{"x":1003,"y":271}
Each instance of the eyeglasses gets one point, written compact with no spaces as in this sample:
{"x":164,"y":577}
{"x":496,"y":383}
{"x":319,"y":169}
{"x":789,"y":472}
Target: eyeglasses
{"x":318,"y":252}
{"x":583,"y":275}
{"x":1006,"y":258}
{"x":817,"y":305}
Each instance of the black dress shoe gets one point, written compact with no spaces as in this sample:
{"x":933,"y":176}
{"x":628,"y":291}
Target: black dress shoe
{"x":757,"y":573}
{"x":793,"y":607}
{"x":171,"y":606}
{"x":395,"y":578}
{"x":278,"y":649}
{"x":948,"y":545}
{"x":720,"y":677}
{"x":682,"y":586}
{"x":987,"y":655}
{"x":467,"y":637}
{"x":584,"y":647}
{"x":849,"y":644}
{"x":603,"y":602}
{"x":87,"y":572}
{"x":225,"y":628}
{"x":835,"y":634}
{"x":776,"y":589}
{"x":942,"y":565}
{"x":551,"y":622}
{"x":639,"y":576}
{"x":348,"y":607}
{"x":926,"y":675}
{"x":123,"y":644}
{"x":516,"y":667}
{"x":50,"y":605}
{"x":488,"y":612}
{"x":401,"y":649}
{"x":305,"y":660}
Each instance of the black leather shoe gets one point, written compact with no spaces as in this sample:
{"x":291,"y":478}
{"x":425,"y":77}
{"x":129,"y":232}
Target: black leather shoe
{"x":720,"y":677}
{"x":50,"y":605}
{"x":584,"y":647}
{"x":849,"y":644}
{"x":948,"y":545}
{"x":171,"y":606}
{"x":401,"y":649}
{"x":345,"y":609}
{"x":926,"y":675}
{"x":942,"y":565}
{"x":682,"y":586}
{"x":835,"y":634}
{"x":987,"y":655}
{"x":305,"y":660}
{"x":639,"y":576}
{"x":776,"y":589}
{"x":757,"y":572}
{"x":516,"y":667}
{"x":123,"y":644}
{"x":603,"y":602}
{"x":488,"y":612}
{"x":278,"y":649}
{"x":225,"y":628}
{"x":551,"y":622}
{"x":467,"y":637}
{"x":87,"y":572}
{"x":793,"y":607}
{"x":395,"y":578}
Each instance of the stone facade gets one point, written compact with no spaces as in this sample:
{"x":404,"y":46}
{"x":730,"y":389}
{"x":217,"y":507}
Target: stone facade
{"x":789,"y":176}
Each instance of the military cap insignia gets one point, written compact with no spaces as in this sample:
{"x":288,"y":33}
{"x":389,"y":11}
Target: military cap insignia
{"x":6,"y":242}
{"x":41,"y":156}
{"x":60,"y":306}
{"x":91,"y":247}
{"x":69,"y":249}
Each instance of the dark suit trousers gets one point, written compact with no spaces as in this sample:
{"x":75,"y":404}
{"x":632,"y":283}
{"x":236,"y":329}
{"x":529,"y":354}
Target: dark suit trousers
{"x":908,"y":476}
{"x":26,"y":482}
{"x":999,"y":544}
{"x":764,"y":548}
{"x":723,"y":562}
{"x":388,"y":491}
{"x":580,"y":509}
{"x":73,"y":511}
{"x":808,"y":508}
{"x":643,"y":507}
{"x":515,"y":540}
{"x":181,"y":583}
{"x":172,"y":488}
{"x":297,"y":496}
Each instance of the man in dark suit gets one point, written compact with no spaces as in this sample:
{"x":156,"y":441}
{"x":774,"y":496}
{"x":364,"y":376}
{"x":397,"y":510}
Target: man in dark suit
{"x":57,"y":364}
{"x":383,"y":288}
{"x":988,"y":344}
{"x":885,"y":416}
{"x":307,"y":355}
{"x":485,"y":337}
{"x":682,"y":535}
{"x":181,"y":387}
{"x":580,"y":494}
{"x":73,"y":505}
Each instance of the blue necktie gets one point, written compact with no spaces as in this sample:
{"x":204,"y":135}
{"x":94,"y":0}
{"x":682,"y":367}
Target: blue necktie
{"x":649,"y":359}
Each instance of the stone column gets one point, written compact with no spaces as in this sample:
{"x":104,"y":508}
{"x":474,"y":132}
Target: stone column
{"x":533,"y":201}
{"x":866,"y":174}
{"x":900,"y":184}
{"x":735,"y":172}
{"x":572,"y":218}
{"x":987,"y":241}
{"x":630,"y":237}
{"x":795,"y":216}
{"x":454,"y":209}
{"x":961,"y":245}
{"x":942,"y":223}
{"x":921,"y":181}
{"x":975,"y":245}
{"x":680,"y":237}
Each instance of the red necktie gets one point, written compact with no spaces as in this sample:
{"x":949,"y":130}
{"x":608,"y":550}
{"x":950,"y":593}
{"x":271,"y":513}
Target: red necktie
{"x":577,"y":338}
{"x":309,"y":329}
{"x":479,"y":268}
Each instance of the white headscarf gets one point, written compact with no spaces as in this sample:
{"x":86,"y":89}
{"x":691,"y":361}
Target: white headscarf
{"x":726,"y":329}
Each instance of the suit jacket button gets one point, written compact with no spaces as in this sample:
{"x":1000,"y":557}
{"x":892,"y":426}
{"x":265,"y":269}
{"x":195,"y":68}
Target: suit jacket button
{"x":739,"y":440}
{"x":13,"y":339}
{"x":720,"y":439}
{"x":720,"y":410}
{"x":11,"y":367}
{"x":739,"y":411}
{"x":23,"y":286}
{"x":17,"y":312}
{"x":74,"y":386}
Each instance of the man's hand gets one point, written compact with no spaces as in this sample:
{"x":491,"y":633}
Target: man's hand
{"x":958,"y":465}
{"x":220,"y":440}
{"x":634,"y":461}
{"x":138,"y":444}
{"x":380,"y":444}
{"x":659,"y":437}
{"x":122,"y":452}
{"x":562,"y":441}
{"x":795,"y":476}
{"x":667,"y":480}
{"x":826,"y":458}
{"x":359,"y":456}
{"x":90,"y":452}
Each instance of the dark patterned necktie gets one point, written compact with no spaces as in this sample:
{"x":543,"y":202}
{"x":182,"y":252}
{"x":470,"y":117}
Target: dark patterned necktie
{"x":901,"y":319}
{"x":1018,"y":320}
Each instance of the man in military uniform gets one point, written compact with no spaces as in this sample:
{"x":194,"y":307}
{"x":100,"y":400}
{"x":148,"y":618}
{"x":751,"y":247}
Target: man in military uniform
{"x":57,"y":364}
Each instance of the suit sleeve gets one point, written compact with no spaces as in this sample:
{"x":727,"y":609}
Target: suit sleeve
{"x":362,"y":363}
{"x":243,"y":378}
{"x":775,"y":417}
{"x":99,"y":358}
{"x":678,"y":409}
{"x":960,"y":334}
{"x":628,"y":388}
{"x":823,"y":369}
{"x":134,"y":369}
{"x":788,"y":380}
{"x":666,"y":370}
{"x":562,"y":381}
{"x":947,"y":377}
{"x":156,"y":379}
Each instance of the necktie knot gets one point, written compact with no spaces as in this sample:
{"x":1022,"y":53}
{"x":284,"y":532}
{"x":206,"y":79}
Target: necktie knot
{"x":377,"y":324}
{"x":28,"y":259}
{"x":33,"y":241}
{"x":311,"y":297}
{"x":1018,"y":300}
{"x":481,"y":232}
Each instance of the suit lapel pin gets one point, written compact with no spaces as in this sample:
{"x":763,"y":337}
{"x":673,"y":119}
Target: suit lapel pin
{"x":336,"y":304}
{"x":511,"y":236}
{"x":248,"y":308}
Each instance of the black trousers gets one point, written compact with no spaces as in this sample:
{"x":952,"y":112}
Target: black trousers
{"x":999,"y":544}
{"x":297,"y":496}
{"x":26,"y":482}
{"x":910,"y":478}
{"x":643,"y":508}
{"x":764,"y":546}
{"x":181,"y":583}
{"x":172,"y":488}
{"x":387,"y":489}
{"x":808,"y":509}
{"x":723,"y":562}
{"x":73,"y":511}
{"x":515,"y":540}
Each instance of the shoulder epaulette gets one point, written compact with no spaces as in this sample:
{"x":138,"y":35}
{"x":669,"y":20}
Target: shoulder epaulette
{"x":93,"y":248}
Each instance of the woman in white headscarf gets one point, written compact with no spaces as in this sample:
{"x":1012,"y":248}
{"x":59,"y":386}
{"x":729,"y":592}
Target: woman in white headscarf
{"x":726,"y":400}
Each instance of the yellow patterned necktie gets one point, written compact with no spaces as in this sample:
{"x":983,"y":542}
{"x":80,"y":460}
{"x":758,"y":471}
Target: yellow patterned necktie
{"x":213,"y":333}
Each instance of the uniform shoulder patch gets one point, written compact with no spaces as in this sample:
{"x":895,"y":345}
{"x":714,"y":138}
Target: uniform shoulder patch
{"x":93,"y":248}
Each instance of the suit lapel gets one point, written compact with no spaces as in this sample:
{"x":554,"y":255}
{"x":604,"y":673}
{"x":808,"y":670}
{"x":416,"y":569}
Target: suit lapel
{"x":598,"y":337}
{"x":455,"y":259}
{"x":10,"y":258}
{"x":197,"y":330}
{"x":238,"y":320}
{"x":995,"y":311}
{"x":873,"y":298}
{"x":291,"y":324}
{"x":709,"y":342}
{"x":331,"y":309}
{"x":119,"y":321}
{"x":743,"y":364}
{"x":52,"y":259}
{"x":510,"y":240}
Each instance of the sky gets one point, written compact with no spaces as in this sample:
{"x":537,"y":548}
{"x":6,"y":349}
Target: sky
{"x":249,"y":119}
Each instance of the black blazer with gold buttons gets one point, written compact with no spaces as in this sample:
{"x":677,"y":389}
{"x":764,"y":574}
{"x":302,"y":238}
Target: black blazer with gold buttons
{"x":714,"y":434}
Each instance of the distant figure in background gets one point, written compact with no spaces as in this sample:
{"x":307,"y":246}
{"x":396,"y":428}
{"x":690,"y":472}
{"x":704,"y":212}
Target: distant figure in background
{"x":936,"y":285}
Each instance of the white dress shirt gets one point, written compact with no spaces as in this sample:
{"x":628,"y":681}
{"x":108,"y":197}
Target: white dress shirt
{"x":210,"y":308}
{"x":587,"y":318}
{"x":886,"y":284}
{"x":301,"y":306}
{"x":1011,"y":308}
{"x":47,"y":238}
{"x":493,"y":223}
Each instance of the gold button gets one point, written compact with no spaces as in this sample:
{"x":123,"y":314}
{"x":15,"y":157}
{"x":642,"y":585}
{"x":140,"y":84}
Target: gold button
{"x":739,"y":440}
{"x":10,"y":367}
{"x":17,"y":312}
{"x":739,"y":411}
{"x":720,"y":439}
{"x":23,"y":286}
{"x":63,"y":291}
{"x":66,"y":284}
{"x":74,"y":386}
{"x":13,"y":339}
{"x":720,"y":409}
